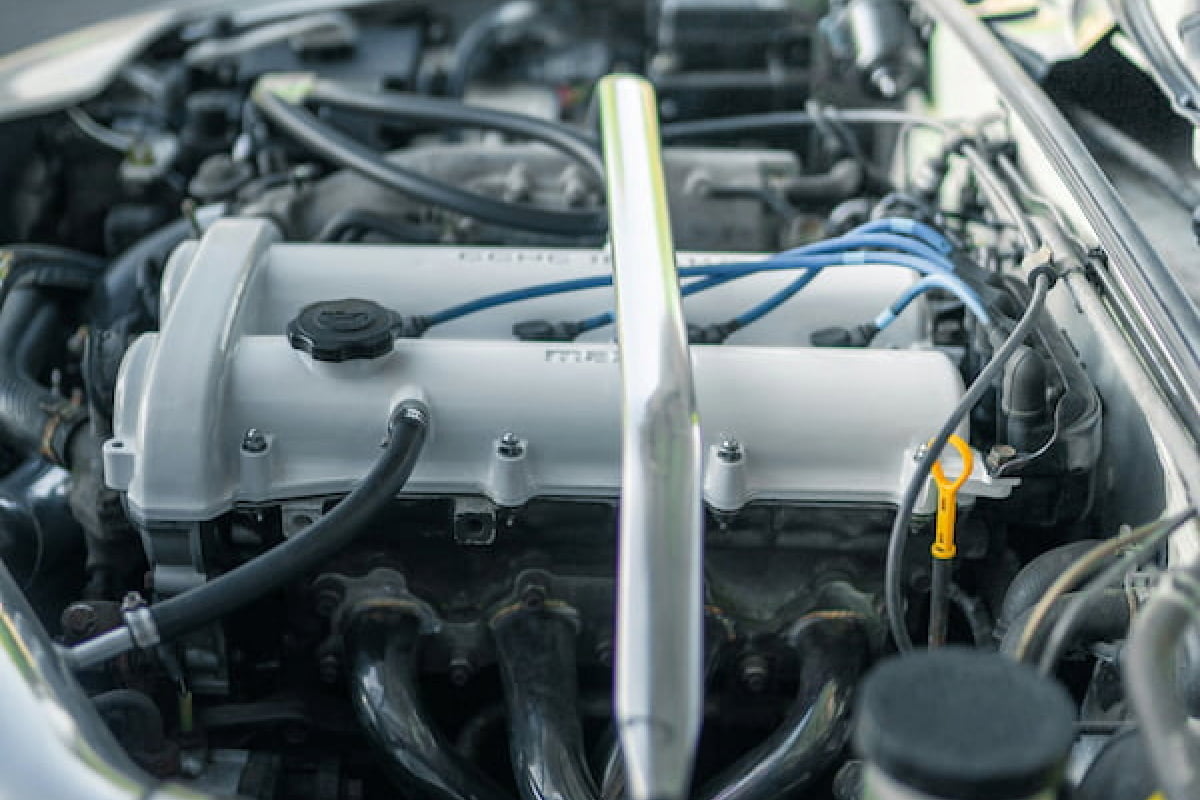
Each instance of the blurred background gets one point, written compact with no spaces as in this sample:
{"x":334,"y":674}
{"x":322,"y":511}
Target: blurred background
{"x":25,"y":22}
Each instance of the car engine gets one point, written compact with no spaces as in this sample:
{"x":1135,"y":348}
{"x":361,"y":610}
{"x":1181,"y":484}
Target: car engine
{"x":564,"y":401}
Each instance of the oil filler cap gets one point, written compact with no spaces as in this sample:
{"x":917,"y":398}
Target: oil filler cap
{"x":961,"y":723}
{"x":342,"y":330}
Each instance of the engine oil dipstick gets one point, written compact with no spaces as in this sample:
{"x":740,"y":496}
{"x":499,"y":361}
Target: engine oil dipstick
{"x":944,"y":548}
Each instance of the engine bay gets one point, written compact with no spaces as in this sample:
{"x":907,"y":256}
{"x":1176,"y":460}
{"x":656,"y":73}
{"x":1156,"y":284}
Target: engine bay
{"x":567,"y":401}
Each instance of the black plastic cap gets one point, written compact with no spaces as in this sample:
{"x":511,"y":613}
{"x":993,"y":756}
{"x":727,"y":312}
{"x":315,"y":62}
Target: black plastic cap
{"x":342,"y":330}
{"x":964,"y":723}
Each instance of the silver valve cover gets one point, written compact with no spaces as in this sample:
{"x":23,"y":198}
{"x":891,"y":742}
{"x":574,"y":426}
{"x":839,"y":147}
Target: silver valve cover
{"x":512,"y":420}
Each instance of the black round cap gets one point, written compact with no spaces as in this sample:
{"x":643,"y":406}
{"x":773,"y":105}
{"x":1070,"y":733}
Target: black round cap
{"x":964,"y":723}
{"x":341,"y":330}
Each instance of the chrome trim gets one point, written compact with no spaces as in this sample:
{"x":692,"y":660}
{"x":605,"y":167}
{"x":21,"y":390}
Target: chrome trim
{"x":659,"y":637}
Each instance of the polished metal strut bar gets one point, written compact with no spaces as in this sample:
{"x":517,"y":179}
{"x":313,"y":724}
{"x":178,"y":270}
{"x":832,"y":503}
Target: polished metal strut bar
{"x":659,"y":638}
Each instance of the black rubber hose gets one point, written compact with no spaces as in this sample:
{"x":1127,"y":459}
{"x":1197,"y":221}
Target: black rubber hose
{"x":1035,"y":578}
{"x":536,"y":651}
{"x":480,"y":37}
{"x":1023,"y":400}
{"x":1105,"y":618}
{"x":1121,"y":771}
{"x":32,"y":350}
{"x":834,"y":650}
{"x":843,"y":181}
{"x":311,"y":547}
{"x":117,"y":296}
{"x":448,"y":113}
{"x":41,"y":266}
{"x":288,"y":561}
{"x":1149,"y":666}
{"x":33,"y":420}
{"x":329,"y":143}
{"x":383,"y":644}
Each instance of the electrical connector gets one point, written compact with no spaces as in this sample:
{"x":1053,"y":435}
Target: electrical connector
{"x":540,"y":330}
{"x":838,"y":336}
{"x":714,"y":333}
{"x":411,"y":327}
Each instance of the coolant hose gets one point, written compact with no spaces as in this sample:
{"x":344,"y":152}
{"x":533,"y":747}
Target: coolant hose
{"x":1105,"y":618}
{"x":33,"y":419}
{"x":383,"y":641}
{"x":536,"y":650}
{"x":834,"y":647}
{"x":117,"y":296}
{"x":1150,"y":677}
{"x":286,"y":562}
{"x":31,"y":352}
{"x":1036,"y":577}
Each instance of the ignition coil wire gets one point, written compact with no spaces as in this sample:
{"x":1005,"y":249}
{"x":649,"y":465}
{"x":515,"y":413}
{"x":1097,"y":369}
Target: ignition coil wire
{"x":729,"y":271}
{"x":927,"y":284}
{"x":896,"y":233}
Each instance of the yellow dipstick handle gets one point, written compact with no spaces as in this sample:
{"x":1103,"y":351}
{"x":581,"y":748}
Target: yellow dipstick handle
{"x":947,"y":510}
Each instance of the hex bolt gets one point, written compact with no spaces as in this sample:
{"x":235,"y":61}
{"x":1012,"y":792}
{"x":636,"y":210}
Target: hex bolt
{"x":999,"y":455}
{"x":327,"y":602}
{"x":754,"y":672}
{"x":533,"y":597}
{"x":461,"y":670}
{"x":510,"y":446}
{"x":80,"y":619}
{"x":255,"y":441}
{"x":730,"y":451}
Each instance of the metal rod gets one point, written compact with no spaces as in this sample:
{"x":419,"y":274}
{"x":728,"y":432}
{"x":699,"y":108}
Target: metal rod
{"x":659,"y":639}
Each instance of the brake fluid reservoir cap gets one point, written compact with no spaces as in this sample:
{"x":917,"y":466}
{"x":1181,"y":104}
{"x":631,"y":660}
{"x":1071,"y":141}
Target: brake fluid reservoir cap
{"x":342,"y":330}
{"x":962,"y":723}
